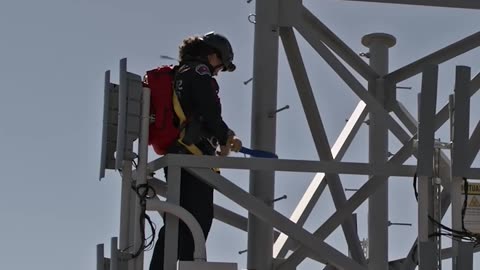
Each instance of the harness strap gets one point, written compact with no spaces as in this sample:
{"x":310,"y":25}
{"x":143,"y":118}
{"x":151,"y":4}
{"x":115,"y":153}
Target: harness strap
{"x":192,"y":148}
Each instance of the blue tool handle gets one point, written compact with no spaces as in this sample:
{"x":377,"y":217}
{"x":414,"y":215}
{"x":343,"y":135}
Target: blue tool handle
{"x":257,"y":153}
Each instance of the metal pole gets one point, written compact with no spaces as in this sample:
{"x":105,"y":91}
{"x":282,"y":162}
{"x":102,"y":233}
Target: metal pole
{"x":263,"y":131}
{"x":460,"y":110}
{"x":122,"y":114}
{"x":355,"y":226}
{"x":100,"y":257}
{"x":378,"y":44}
{"x":141,"y":175}
{"x":124,"y":162}
{"x":106,"y":109}
{"x":437,"y":206}
{"x":200,"y":253}
{"x":427,"y":103}
{"x":171,"y":222}
{"x":114,"y":258}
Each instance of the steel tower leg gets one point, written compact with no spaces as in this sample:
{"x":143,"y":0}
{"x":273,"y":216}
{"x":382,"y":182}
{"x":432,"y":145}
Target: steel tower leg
{"x":378,"y":44}
{"x":265,"y":73}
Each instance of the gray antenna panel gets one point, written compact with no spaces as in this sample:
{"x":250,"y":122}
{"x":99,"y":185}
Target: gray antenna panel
{"x":109,"y":130}
{"x":129,"y":112}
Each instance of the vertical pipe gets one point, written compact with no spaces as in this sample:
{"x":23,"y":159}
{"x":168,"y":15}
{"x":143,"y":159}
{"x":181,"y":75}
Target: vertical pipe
{"x":121,"y":163}
{"x":192,"y":224}
{"x":114,"y":259}
{"x":455,"y":184}
{"x":427,"y":103}
{"x":437,"y":208}
{"x":465,"y":251}
{"x":461,"y":133}
{"x":122,"y":114}
{"x":355,"y":226}
{"x":100,"y":257}
{"x":171,"y":222}
{"x":378,"y":44}
{"x":142,"y":174}
{"x":106,"y":110}
{"x":263,"y":131}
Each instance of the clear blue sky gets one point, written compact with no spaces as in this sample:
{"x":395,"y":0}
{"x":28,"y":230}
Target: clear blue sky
{"x":53,"y":55}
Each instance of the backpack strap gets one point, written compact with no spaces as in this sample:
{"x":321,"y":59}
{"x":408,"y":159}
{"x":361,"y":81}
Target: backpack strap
{"x":192,"y":148}
{"x":177,"y":107}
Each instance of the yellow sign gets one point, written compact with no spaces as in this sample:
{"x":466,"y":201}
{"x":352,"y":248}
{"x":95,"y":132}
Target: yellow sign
{"x":472,"y":213}
{"x":474,"y":202}
{"x":473,"y":189}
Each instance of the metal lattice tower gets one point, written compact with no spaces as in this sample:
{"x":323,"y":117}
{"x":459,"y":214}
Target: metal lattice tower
{"x":440,"y":176}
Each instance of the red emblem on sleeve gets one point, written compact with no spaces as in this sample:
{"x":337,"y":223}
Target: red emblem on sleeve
{"x":203,"y":70}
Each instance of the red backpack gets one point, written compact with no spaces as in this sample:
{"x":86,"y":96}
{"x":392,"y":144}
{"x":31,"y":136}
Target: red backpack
{"x":163,"y":131}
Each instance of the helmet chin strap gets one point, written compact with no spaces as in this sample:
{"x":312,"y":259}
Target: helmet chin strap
{"x":217,"y":66}
{"x":203,"y":60}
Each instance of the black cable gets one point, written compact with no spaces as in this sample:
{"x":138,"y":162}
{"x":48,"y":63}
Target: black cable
{"x":144,"y":196}
{"x":448,"y":232}
{"x":414,"y":251}
{"x":464,"y":209}
{"x":415,"y":186}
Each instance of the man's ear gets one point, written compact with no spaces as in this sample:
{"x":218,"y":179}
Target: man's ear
{"x":210,"y":57}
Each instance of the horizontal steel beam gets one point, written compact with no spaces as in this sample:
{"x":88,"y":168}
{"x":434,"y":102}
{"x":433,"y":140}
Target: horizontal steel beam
{"x":265,"y":164}
{"x":322,"y":32}
{"x":353,"y":203}
{"x":473,"y":173}
{"x":446,"y":254}
{"x":467,"y":4}
{"x":277,"y":220}
{"x":224,"y":215}
{"x":436,"y":58}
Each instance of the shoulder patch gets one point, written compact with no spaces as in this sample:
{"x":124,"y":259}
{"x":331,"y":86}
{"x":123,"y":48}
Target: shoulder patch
{"x":202,"y":70}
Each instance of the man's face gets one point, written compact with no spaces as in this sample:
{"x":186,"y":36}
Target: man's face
{"x":215,"y":62}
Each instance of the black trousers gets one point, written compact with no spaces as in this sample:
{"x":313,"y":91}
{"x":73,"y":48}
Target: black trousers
{"x":197,"y":198}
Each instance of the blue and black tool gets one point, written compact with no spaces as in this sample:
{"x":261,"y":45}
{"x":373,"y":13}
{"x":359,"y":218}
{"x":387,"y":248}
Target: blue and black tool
{"x":257,"y":153}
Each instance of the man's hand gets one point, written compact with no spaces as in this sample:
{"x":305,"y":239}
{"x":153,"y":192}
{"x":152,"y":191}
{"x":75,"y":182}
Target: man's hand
{"x":224,"y":151}
{"x":233,"y":144}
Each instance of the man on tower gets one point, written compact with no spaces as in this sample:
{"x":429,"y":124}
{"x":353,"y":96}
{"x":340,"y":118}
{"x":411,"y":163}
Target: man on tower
{"x":201,"y":58}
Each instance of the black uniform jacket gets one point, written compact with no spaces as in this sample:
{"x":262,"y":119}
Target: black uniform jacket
{"x":197,"y":92}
